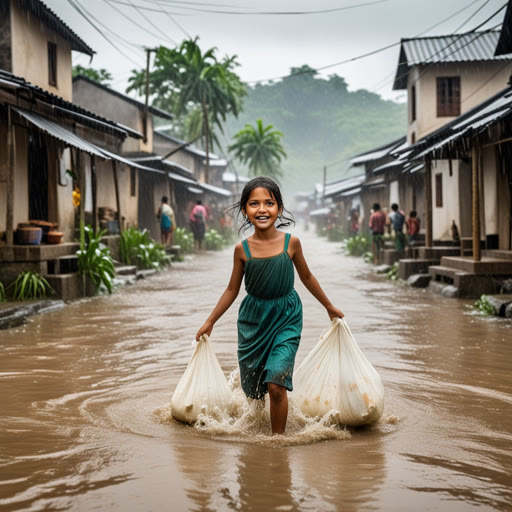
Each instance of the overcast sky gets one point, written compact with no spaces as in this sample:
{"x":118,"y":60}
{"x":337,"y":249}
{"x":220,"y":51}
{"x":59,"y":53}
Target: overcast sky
{"x":269,"y":45}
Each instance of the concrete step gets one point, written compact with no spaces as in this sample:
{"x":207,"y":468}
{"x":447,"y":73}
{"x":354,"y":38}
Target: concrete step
{"x":498,"y":254}
{"x":126,"y":270}
{"x":70,"y":286}
{"x":409,"y":266}
{"x":444,"y":274}
{"x":486,"y":266}
{"x":174,"y":249}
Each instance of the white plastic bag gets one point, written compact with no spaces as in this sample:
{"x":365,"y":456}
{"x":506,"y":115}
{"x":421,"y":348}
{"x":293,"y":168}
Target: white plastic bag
{"x":336,"y":375}
{"x":203,"y":388}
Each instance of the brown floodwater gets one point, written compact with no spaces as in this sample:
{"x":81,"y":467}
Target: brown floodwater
{"x":85,"y":393}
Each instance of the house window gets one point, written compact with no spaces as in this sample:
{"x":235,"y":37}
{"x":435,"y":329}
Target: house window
{"x":52,"y":63}
{"x":413,"y":138}
{"x":448,"y":96}
{"x":133,"y":181}
{"x":413,"y":103}
{"x":439,"y":190}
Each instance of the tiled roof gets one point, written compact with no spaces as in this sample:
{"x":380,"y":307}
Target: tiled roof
{"x":469,"y":47}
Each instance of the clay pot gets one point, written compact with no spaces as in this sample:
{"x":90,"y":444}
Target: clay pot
{"x":54,"y":237}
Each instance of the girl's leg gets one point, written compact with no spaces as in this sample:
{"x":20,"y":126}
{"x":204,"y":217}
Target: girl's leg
{"x":278,"y":407}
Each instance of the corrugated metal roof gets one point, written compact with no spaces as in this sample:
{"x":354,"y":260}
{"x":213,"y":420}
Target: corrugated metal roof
{"x":216,"y":190}
{"x":469,"y":47}
{"x":59,"y":132}
{"x":376,"y":153}
{"x":344,"y":185}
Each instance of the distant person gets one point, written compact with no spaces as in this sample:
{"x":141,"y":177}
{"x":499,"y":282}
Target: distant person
{"x":455,"y":233}
{"x":413,"y":228}
{"x":377,"y":225}
{"x":167,"y":222}
{"x":397,"y":218}
{"x":354,"y":222}
{"x":198,"y":218}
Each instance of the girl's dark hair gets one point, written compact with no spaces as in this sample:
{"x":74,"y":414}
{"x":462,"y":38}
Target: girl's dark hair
{"x":285,"y":218}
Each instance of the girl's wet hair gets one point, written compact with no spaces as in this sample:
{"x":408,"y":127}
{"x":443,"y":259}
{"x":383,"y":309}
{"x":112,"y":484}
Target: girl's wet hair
{"x":285,"y":218}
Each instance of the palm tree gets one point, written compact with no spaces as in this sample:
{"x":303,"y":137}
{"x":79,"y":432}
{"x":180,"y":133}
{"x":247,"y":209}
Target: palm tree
{"x":189,"y":81}
{"x":259,"y":147}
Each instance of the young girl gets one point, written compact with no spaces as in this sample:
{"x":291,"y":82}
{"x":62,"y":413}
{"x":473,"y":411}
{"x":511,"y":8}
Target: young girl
{"x":270,"y":316}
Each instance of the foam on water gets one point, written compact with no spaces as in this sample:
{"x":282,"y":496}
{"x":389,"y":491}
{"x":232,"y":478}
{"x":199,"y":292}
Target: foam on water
{"x":249,"y":421}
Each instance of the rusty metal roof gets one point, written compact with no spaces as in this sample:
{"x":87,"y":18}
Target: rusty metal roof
{"x":469,"y":47}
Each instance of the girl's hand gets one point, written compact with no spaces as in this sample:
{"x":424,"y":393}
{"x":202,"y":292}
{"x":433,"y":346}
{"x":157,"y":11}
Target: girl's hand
{"x":334,"y":313}
{"x":205,"y":329}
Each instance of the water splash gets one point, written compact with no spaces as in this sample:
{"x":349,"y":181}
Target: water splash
{"x":248,"y":421}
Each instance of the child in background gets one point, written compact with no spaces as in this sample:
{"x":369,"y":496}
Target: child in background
{"x":270,"y":316}
{"x":413,"y":227}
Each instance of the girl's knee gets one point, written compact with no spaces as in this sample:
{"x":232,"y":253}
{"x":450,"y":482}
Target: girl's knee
{"x":276,"y":391}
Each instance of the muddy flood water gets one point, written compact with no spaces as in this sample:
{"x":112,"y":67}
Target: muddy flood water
{"x":85,"y":393}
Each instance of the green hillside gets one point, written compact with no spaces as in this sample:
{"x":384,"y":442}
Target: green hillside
{"x":322,"y":122}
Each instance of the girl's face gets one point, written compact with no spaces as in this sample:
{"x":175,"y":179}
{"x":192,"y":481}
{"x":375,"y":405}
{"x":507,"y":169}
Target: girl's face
{"x":261,"y":209}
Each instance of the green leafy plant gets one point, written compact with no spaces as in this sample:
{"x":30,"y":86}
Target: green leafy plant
{"x":185,"y":239}
{"x":392,"y":273}
{"x":2,"y":293}
{"x":137,"y":248}
{"x":30,"y":285}
{"x":485,"y":306}
{"x":95,"y":261}
{"x":357,"y":245}
{"x":213,"y":240}
{"x":368,"y":257}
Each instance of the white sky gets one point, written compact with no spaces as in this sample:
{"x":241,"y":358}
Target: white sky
{"x":267,"y":46}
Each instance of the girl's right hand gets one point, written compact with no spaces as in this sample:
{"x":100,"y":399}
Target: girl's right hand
{"x":205,"y":329}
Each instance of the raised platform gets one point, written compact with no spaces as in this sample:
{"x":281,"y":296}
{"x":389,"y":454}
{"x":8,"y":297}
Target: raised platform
{"x":486,"y":266}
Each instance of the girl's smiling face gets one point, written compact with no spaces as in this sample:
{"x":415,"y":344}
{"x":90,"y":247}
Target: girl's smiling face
{"x":261,"y":209}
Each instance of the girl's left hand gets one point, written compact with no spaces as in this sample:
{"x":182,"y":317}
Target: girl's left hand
{"x":334,"y":313}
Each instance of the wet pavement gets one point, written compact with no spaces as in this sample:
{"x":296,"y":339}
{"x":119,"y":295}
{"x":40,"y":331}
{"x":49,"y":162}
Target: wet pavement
{"x":85,"y":392}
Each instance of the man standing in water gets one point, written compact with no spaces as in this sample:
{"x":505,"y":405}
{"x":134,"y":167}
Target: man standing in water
{"x":378,"y":221}
{"x":397,"y":219}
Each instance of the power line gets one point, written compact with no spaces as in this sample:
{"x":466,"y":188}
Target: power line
{"x":472,"y":16}
{"x":79,"y":10}
{"x":261,"y":13}
{"x":139,"y":10}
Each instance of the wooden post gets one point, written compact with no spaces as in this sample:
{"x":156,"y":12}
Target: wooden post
{"x":475,"y":157}
{"x":94,"y":195}
{"x":11,"y":162}
{"x":118,"y":200}
{"x":428,"y":203}
{"x":81,"y":180}
{"x":323,"y":187}
{"x":146,"y":104}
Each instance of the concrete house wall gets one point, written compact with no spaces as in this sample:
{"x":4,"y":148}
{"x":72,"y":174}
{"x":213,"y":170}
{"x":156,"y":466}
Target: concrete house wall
{"x":28,"y":40}
{"x":109,"y":105}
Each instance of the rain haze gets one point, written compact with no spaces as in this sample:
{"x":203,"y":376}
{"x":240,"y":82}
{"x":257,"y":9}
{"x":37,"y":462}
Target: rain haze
{"x":268,"y":45}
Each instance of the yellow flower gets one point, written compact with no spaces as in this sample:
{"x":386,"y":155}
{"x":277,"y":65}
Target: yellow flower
{"x":76,"y":197}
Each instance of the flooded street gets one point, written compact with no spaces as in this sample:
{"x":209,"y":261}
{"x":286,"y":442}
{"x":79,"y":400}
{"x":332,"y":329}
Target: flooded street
{"x":85,"y":395}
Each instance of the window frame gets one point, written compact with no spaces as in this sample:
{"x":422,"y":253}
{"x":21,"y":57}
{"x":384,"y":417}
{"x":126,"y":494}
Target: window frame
{"x":52,"y":63}
{"x":448,"y":96}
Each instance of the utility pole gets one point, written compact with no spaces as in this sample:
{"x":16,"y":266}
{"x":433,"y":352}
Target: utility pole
{"x":323,"y":187}
{"x":146,"y":105}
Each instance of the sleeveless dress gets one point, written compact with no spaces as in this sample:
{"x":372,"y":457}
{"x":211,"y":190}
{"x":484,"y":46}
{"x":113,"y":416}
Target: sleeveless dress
{"x":269,"y":323}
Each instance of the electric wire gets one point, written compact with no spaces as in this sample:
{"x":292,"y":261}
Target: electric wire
{"x":262,"y":13}
{"x":139,"y":10}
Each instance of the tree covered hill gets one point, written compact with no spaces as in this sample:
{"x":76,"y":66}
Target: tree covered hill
{"x":322,"y":122}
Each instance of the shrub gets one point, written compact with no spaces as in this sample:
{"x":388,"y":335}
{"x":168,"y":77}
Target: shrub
{"x":185,"y":239}
{"x":95,"y":261}
{"x":485,"y":306}
{"x":213,"y":240}
{"x":2,"y":293}
{"x":368,"y":257}
{"x":31,"y":285}
{"x":392,"y":273}
{"x":357,"y":245}
{"x":137,"y":248}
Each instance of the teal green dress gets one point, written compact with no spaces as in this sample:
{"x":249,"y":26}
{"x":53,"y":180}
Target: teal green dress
{"x":269,"y":323}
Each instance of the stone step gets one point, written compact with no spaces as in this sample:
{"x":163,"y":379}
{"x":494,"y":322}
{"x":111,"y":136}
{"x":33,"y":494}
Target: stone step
{"x":70,"y":286}
{"x":444,"y":274}
{"x":409,"y":266}
{"x":126,"y":270}
{"x":498,"y":254}
{"x":486,"y":266}
{"x":17,"y":315}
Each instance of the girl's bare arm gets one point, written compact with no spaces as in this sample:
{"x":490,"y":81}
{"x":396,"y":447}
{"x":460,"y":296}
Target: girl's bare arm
{"x":309,"y":280}
{"x":229,"y":295}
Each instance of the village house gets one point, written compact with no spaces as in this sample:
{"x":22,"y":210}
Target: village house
{"x":51,"y":147}
{"x":446,"y":76}
{"x":181,"y":165}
